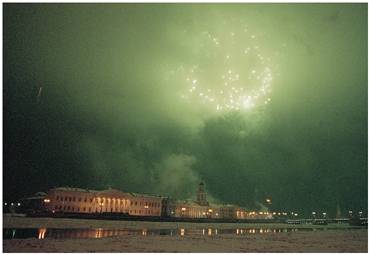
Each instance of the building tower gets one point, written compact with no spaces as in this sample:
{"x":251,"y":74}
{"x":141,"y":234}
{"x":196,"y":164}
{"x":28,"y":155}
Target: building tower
{"x":201,"y":195}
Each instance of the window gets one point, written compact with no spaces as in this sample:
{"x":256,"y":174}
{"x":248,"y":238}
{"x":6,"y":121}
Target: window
{"x":139,"y":211}
{"x":70,"y":199}
{"x":57,"y":197}
{"x":56,"y":207}
{"x":74,"y":199}
{"x":79,"y":199}
{"x":89,"y":209}
{"x":64,"y":208}
{"x":85,"y":199}
{"x":68,"y":208}
{"x":84,"y":209}
{"x":91,"y":200}
{"x":135,"y":202}
{"x":73,"y":208}
{"x":132,"y":203}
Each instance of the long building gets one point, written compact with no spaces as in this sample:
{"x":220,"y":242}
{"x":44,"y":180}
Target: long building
{"x":75,"y":200}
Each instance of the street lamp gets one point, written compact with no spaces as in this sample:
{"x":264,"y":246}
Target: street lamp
{"x":350,"y":213}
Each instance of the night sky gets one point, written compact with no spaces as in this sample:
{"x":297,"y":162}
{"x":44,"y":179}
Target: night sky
{"x":256,"y":100}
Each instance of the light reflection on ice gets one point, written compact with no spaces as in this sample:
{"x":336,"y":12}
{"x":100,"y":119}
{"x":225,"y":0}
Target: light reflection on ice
{"x":43,"y":233}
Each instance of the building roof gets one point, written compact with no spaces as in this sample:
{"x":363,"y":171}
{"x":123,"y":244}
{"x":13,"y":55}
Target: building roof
{"x":73,"y":189}
{"x":145,"y":195}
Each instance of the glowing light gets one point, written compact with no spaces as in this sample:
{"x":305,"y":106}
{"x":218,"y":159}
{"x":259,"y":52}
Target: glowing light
{"x":243,"y":73}
{"x":42,"y":232}
{"x":46,"y":200}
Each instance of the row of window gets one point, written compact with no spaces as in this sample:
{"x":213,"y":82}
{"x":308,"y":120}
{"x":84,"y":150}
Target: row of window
{"x":84,"y":209}
{"x":146,"y":212}
{"x":151,"y":204}
{"x":80,"y":199}
{"x":71,"y":208}
{"x":70,"y":199}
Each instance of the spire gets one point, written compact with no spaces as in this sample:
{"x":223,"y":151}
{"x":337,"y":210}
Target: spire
{"x":201,"y":195}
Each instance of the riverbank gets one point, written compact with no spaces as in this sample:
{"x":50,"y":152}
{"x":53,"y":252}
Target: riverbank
{"x":25,"y":222}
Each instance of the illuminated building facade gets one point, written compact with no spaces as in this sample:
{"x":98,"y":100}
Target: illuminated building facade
{"x":74,"y":200}
{"x":201,"y":208}
{"x":83,"y":201}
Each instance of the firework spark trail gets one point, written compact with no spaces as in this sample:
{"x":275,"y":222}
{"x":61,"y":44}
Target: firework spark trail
{"x":39,"y":94}
{"x":233,"y":74}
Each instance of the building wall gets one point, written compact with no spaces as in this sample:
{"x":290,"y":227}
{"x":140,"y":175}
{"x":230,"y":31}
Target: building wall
{"x":192,"y":210}
{"x":84,"y":201}
{"x":145,"y":206}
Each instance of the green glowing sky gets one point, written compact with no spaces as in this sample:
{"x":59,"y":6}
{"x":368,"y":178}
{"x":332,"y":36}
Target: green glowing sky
{"x":257,"y":100}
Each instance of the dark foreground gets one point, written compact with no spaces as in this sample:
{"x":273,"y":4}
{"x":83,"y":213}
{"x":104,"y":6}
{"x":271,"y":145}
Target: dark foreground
{"x":329,"y":239}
